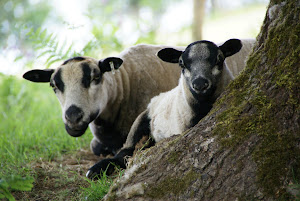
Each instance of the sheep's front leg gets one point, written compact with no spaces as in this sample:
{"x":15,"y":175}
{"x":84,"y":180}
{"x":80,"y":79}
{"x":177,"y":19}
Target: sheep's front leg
{"x":106,"y":139}
{"x":140,"y":128}
{"x":99,"y":148}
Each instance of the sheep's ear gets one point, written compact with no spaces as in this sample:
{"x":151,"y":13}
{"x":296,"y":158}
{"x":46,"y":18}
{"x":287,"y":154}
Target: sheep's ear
{"x":231,"y":47}
{"x":107,"y":64}
{"x":39,"y":75}
{"x":170,"y":55}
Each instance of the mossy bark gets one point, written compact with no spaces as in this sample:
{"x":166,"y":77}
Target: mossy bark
{"x":248,"y":147}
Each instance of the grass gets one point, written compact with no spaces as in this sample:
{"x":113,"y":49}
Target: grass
{"x":97,"y":189}
{"x":31,"y":125}
{"x":34,"y":143}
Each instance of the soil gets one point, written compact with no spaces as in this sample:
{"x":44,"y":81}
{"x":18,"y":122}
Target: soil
{"x":61,"y":178}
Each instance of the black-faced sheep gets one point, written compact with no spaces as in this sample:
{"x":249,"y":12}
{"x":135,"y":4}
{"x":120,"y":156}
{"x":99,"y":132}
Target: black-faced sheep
{"x":204,"y":76}
{"x":91,"y":93}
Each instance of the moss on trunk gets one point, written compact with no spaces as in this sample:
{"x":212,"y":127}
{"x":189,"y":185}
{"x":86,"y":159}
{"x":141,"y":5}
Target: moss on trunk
{"x":264,"y":100}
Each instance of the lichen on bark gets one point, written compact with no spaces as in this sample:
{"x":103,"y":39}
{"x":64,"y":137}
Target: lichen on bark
{"x":265,"y":101}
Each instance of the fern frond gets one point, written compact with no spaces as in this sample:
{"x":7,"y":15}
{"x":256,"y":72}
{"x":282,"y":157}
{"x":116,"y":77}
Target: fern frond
{"x":16,"y":183}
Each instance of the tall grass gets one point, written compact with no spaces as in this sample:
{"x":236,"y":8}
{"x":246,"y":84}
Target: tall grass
{"x":30,"y":126}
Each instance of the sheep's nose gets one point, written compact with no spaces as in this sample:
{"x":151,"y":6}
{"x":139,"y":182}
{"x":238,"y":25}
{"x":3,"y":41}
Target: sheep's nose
{"x":74,"y":114}
{"x":200,"y":84}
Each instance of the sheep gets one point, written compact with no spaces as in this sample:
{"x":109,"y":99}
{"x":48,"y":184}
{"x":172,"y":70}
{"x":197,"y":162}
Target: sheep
{"x":204,"y":77}
{"x":237,"y":62}
{"x":92,"y":93}
{"x":107,"y":94}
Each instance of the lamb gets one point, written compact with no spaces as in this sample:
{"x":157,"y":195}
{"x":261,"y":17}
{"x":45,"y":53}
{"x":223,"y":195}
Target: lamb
{"x":204,"y":77}
{"x":237,"y":62}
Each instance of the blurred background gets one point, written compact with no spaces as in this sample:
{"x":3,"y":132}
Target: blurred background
{"x":40,"y":33}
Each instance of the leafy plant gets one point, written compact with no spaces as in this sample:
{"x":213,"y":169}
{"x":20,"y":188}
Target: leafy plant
{"x":16,"y":183}
{"x":47,"y":45}
{"x":31,"y":126}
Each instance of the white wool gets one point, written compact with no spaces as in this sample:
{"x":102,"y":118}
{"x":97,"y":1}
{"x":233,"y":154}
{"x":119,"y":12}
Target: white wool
{"x":170,"y":112}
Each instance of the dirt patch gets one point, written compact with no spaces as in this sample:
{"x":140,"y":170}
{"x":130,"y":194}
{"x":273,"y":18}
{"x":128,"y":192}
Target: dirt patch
{"x":60,"y":179}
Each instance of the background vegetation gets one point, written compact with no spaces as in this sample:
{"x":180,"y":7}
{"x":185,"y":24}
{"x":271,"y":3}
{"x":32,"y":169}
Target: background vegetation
{"x":34,"y":34}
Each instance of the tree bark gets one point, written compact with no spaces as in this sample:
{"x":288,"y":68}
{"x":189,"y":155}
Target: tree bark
{"x":198,"y":15}
{"x":248,"y":146}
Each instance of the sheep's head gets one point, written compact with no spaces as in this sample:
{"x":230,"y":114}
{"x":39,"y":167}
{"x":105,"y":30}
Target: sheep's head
{"x":202,"y":63}
{"x":78,"y":85}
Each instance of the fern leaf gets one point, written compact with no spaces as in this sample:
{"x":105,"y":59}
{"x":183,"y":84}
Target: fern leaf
{"x":4,"y":193}
{"x":50,"y":58}
{"x":60,"y":52}
{"x":44,"y":53}
{"x":69,"y":50}
{"x":53,"y":61}
{"x":48,"y":38}
{"x":20,"y":183}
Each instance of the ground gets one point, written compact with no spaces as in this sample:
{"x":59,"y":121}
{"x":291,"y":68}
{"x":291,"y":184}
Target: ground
{"x":61,"y":178}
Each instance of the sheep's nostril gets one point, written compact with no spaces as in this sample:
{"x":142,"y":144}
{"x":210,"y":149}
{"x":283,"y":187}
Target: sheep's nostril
{"x":196,"y":87}
{"x":201,"y":84}
{"x":205,"y":86}
{"x":74,"y":114}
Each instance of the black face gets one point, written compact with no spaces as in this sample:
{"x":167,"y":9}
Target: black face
{"x":202,"y":65}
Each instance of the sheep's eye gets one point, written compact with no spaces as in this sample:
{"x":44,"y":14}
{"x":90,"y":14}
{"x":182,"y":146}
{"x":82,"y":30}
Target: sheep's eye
{"x":181,"y":64}
{"x":96,"y":78}
{"x":219,"y":60}
{"x":53,"y":86}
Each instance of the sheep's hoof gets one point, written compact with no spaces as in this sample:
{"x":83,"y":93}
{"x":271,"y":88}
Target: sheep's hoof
{"x":105,"y":166}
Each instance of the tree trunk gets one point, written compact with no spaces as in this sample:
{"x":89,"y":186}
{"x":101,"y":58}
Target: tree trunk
{"x":199,"y":13}
{"x":248,"y":146}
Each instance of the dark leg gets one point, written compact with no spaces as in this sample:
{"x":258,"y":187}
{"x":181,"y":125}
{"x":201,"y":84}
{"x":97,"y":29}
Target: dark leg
{"x":98,"y":148}
{"x":140,"y":128}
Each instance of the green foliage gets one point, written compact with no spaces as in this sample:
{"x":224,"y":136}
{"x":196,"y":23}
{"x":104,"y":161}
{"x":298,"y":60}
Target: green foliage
{"x":31,"y":126}
{"x":16,"y":183}
{"x":98,"y":189}
{"x":105,"y":37}
{"x":117,"y":13}
{"x":47,"y":45}
{"x":17,"y":14}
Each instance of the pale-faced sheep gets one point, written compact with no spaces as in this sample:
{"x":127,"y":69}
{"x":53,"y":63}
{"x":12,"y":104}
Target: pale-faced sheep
{"x":204,"y":76}
{"x":90,"y":93}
